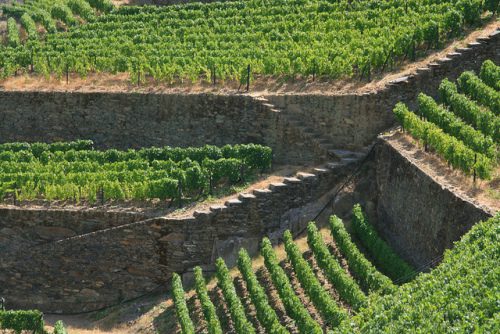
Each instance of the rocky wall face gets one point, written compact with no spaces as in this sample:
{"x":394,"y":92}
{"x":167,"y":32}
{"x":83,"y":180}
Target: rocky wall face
{"x":38,"y":226}
{"x":120,"y":120}
{"x":90,"y":271}
{"x":417,"y":216}
{"x":129,"y":120}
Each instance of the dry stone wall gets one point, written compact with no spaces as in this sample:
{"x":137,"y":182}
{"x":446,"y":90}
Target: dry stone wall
{"x":122,"y":120}
{"x":20,"y":227}
{"x":98,"y":269}
{"x":132,"y":120}
{"x":419,"y":217}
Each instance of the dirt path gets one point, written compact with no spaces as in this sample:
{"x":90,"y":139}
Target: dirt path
{"x":104,"y":82}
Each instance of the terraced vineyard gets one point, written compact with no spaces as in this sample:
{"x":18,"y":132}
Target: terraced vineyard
{"x":332,"y":287}
{"x":465,"y":128}
{"x":76,"y":172}
{"x":223,"y":40}
{"x":310,"y":292}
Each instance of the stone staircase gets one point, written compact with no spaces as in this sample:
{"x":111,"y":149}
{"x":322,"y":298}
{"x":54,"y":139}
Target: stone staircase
{"x":322,"y":145}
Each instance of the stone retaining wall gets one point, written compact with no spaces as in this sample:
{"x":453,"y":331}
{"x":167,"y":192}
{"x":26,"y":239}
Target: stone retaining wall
{"x":114,"y":263}
{"x":102,"y":268}
{"x":419,"y":217}
{"x":123,"y":120}
{"x":20,"y":227}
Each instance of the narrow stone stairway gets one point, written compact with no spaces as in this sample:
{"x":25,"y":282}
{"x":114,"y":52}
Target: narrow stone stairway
{"x":321,"y":143}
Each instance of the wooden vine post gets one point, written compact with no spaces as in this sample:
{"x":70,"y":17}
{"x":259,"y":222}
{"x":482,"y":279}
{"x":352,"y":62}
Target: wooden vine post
{"x":214,"y":76}
{"x":31,"y":59}
{"x":67,"y":73}
{"x":474,"y":171}
{"x":248,"y":77}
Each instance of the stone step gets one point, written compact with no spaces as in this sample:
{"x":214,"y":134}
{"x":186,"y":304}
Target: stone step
{"x":334,"y":165}
{"x":233,"y":202}
{"x":324,"y":141}
{"x":423,"y":70}
{"x":444,"y":60}
{"x":260,"y":192}
{"x":246,"y":197}
{"x":277,"y":185}
{"x":399,"y":80}
{"x":346,"y":153}
{"x":291,"y":180}
{"x":473,"y":44}
{"x":453,"y":55}
{"x":217,"y":208}
{"x":320,"y":171}
{"x":483,"y":39}
{"x":305,"y":176}
{"x":347,"y":161}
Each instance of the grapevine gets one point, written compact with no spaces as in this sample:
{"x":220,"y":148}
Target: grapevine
{"x":181,"y":308}
{"x":225,"y":282}
{"x":344,"y":284}
{"x":294,"y":307}
{"x":368,"y":275}
{"x":321,"y":299}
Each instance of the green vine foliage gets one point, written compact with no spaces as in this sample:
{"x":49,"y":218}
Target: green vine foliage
{"x":19,"y":321}
{"x":209,"y":312}
{"x":383,"y":255}
{"x":59,"y":328}
{"x":103,"y":6}
{"x":322,"y":300}
{"x":333,"y":39}
{"x":490,"y":74}
{"x":347,"y":288}
{"x":75,"y":171}
{"x":225,"y":282}
{"x":458,"y":296}
{"x":82,"y":9}
{"x":181,"y":308}
{"x":472,"y":86}
{"x":266,"y":314}
{"x":13,"y":38}
{"x":63,"y":13}
{"x":480,"y":118}
{"x":454,"y":126}
{"x":29,"y":25}
{"x":450,"y":148}
{"x":294,"y":307}
{"x":369,"y":277}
